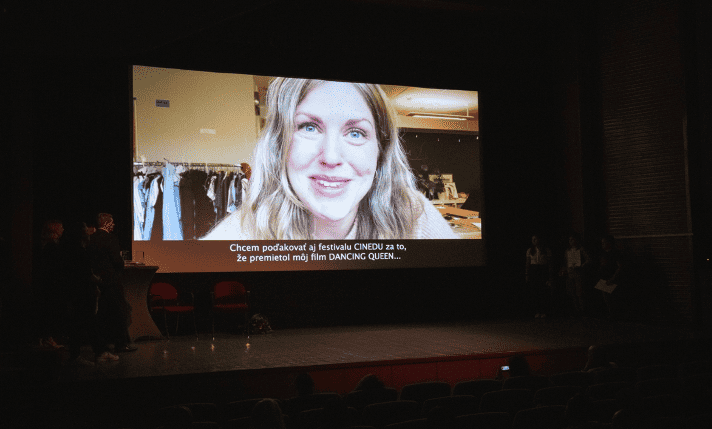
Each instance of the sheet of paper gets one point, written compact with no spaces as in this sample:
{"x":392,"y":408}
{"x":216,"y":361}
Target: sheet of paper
{"x":601,"y":285}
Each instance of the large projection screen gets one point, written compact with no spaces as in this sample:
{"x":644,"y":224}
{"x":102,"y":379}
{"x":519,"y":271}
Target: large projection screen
{"x":328,"y":188}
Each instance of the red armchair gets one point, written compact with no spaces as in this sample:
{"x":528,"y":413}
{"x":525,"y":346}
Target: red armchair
{"x":230,"y":298}
{"x":164,"y":299}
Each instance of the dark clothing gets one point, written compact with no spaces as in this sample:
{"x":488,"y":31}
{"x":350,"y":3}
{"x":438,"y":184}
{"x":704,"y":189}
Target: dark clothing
{"x":83,"y":329}
{"x":538,"y":275}
{"x":197,"y":209}
{"x":83,"y":296}
{"x":105,"y":255}
{"x":187,"y":206}
{"x":539,"y":291}
{"x":221,"y":186}
{"x":113,"y":315}
{"x":80,"y":280}
{"x":157,"y":226}
{"x":114,"y":311}
{"x":618,"y":301}
{"x":609,"y":263}
{"x":50,"y":289}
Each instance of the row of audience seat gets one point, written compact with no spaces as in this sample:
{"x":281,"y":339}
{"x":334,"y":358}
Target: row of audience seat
{"x":667,"y":396}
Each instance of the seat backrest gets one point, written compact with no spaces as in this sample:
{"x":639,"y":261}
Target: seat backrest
{"x":333,"y":415}
{"x":164,"y":290}
{"x":476,"y":388}
{"x":298,"y":404}
{"x":694,"y":368}
{"x":170,"y":415}
{"x":238,"y":409}
{"x":420,"y":392}
{"x":658,"y":386}
{"x":241,"y":423}
{"x":361,"y":398}
{"x":531,"y":382}
{"x":229,"y":289}
{"x":556,"y":395}
{"x":615,"y":374}
{"x":655,"y":407}
{"x":656,"y":371}
{"x":410,"y":424}
{"x":698,"y":421}
{"x":491,"y":420}
{"x":607,"y":390}
{"x":452,"y":405}
{"x":507,"y":400}
{"x":540,"y":417}
{"x":308,"y":419}
{"x":203,"y":411}
{"x":573,"y":378}
{"x":386,"y":413}
{"x":205,"y":425}
{"x":603,"y":410}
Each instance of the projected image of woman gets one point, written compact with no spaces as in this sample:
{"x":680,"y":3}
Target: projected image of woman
{"x":329,"y":165}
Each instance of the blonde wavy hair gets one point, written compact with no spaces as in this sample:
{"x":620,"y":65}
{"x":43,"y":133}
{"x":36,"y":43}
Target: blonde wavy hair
{"x":271,"y":210}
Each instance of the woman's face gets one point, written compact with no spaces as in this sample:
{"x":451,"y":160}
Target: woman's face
{"x":606,"y":245}
{"x":334,"y":151}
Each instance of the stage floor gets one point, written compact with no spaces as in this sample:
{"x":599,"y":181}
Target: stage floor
{"x":365,"y":345}
{"x":186,"y":370}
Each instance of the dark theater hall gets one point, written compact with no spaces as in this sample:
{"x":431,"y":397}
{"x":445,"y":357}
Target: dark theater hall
{"x":372,"y":214}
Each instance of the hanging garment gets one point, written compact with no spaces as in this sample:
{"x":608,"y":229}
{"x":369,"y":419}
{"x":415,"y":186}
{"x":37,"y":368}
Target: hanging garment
{"x":210,"y":187}
{"x":139,"y":206}
{"x":154,"y":194}
{"x":245,"y":184}
{"x":241,"y":186}
{"x":232,"y":194}
{"x":198,"y":215}
{"x":212,"y":194}
{"x":225,"y":189}
{"x":172,"y":227}
{"x":187,"y":205}
{"x":220,"y":196}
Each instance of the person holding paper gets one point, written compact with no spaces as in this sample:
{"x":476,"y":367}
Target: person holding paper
{"x":610,"y":269}
{"x":577,"y":260}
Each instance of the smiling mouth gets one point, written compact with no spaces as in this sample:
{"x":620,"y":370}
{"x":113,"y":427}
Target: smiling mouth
{"x":329,"y":184}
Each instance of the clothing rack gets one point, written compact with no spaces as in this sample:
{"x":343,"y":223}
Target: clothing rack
{"x":185,"y":164}
{"x":205,"y":166}
{"x":185,"y":202}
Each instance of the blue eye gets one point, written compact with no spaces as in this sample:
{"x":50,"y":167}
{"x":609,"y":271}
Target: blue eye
{"x":356,"y":134}
{"x":309,"y":127}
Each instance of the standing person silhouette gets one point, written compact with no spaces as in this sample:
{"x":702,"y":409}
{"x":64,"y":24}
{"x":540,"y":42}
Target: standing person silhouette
{"x":50,"y":285}
{"x":610,"y":269}
{"x":83,"y":292}
{"x":577,"y":260}
{"x":538,"y":276}
{"x":107,"y":263}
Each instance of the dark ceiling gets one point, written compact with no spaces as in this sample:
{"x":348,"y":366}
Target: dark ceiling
{"x":116,"y":29}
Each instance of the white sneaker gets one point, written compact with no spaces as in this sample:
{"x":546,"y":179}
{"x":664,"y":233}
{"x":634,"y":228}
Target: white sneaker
{"x":106,"y":356}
